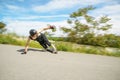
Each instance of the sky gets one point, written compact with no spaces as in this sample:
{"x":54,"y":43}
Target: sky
{"x":22,"y":15}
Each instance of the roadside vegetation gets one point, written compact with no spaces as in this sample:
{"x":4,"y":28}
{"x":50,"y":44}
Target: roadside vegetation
{"x":63,"y":46}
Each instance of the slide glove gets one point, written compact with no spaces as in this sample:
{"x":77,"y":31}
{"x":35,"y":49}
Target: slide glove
{"x":24,"y":52}
{"x":52,"y":27}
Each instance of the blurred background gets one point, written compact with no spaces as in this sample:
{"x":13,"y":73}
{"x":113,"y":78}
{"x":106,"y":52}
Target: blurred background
{"x":85,"y":26}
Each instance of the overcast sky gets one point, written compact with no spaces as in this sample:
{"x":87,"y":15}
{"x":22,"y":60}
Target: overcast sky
{"x":22,"y":15}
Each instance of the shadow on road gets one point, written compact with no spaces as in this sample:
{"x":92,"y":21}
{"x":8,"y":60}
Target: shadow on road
{"x":30,"y":49}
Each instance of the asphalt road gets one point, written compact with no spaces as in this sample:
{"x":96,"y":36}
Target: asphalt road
{"x":41,"y":65}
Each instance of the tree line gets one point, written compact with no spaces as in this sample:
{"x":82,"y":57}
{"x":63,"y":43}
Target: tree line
{"x":93,"y":31}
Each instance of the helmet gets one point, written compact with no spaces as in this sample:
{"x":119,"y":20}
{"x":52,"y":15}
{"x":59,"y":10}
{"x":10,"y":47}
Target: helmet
{"x":32,"y":32}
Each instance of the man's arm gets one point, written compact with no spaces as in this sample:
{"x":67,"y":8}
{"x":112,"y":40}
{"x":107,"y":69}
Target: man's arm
{"x":27,"y":44}
{"x":46,"y":28}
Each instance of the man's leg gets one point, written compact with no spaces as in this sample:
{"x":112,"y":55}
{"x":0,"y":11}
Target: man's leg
{"x":51,"y":48}
{"x":55,"y":50}
{"x":46,"y":47}
{"x":48,"y":44}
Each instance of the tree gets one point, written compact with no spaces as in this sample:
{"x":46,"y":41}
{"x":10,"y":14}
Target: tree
{"x":90,"y":28}
{"x":2,"y":27}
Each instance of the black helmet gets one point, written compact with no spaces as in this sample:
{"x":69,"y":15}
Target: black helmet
{"x":32,"y":32}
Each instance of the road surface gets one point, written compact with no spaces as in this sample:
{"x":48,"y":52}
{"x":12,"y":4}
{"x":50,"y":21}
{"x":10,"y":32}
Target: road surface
{"x":41,"y":65}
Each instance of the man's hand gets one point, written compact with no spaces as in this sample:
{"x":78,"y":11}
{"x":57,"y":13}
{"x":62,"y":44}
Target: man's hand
{"x":52,"y":27}
{"x":24,"y":52}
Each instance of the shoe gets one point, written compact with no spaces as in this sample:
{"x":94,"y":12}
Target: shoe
{"x":55,"y":52}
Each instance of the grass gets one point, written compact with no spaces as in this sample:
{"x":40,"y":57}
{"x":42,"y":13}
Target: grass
{"x":62,"y":46}
{"x":72,"y":47}
{"x":8,"y":39}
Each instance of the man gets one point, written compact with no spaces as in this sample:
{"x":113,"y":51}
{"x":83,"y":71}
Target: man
{"x":41,"y":38}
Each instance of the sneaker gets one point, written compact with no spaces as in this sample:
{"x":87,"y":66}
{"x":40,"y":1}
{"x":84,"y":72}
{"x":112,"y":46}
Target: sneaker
{"x":55,"y":52}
